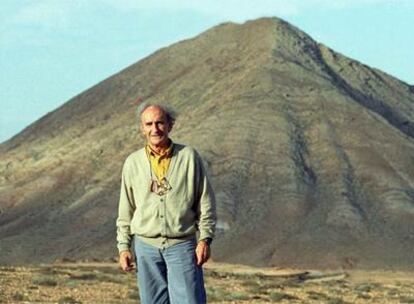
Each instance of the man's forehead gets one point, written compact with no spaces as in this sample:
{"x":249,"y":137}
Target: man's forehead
{"x":153,"y":112}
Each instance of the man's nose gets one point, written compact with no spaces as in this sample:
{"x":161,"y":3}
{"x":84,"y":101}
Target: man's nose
{"x":154,"y":128}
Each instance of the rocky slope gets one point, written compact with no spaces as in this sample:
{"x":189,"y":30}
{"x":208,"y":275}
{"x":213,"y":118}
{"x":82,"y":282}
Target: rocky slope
{"x":311,"y":153}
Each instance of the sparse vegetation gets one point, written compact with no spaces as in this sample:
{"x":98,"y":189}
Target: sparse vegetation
{"x":93,"y":283}
{"x":133,"y":294}
{"x":217,"y":294}
{"x":406,"y":300}
{"x":17,"y":296}
{"x":44,"y":280}
{"x":336,"y":301}
{"x":279,"y":296}
{"x":240,"y":295}
{"x":9,"y":269}
{"x":393,"y":292}
{"x":365,"y":287}
{"x":68,"y":300}
{"x":315,"y":295}
{"x":84,"y":276}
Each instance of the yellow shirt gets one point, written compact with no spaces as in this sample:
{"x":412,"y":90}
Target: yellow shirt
{"x":159,"y":162}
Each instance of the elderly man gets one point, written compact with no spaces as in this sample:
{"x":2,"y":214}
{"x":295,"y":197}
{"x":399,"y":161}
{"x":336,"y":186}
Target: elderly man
{"x":165,"y":199}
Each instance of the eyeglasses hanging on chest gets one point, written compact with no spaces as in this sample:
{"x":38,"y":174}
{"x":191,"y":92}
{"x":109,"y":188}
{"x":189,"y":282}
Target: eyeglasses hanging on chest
{"x":160,"y":187}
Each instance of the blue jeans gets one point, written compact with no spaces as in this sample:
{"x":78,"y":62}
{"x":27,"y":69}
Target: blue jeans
{"x":169,"y":275}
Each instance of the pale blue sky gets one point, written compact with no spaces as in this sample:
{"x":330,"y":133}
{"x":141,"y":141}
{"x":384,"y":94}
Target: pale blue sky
{"x":52,"y":50}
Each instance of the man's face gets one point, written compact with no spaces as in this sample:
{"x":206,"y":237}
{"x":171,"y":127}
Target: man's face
{"x":155,"y":127}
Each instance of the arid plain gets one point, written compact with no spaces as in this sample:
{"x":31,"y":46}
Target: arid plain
{"x":226,"y":283}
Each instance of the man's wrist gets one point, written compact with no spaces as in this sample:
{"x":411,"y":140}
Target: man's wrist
{"x":207,"y":241}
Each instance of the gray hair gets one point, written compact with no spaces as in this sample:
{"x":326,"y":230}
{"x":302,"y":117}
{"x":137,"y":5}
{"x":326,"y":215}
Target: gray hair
{"x":170,"y":113}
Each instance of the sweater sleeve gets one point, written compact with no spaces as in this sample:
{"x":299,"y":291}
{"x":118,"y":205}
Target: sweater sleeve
{"x":207,"y":202}
{"x":126,"y":210}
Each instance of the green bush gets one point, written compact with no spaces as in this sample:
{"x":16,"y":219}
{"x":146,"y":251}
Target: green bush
{"x":68,"y":300}
{"x":279,"y":296}
{"x":17,"y":296}
{"x":314,"y":295}
{"x":84,"y":276}
{"x":44,"y":280}
{"x":336,"y":301}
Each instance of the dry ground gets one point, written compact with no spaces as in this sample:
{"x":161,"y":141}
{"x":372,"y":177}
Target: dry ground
{"x":106,"y":283}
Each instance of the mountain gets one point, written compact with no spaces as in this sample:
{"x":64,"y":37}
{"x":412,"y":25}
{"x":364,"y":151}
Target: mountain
{"x":311,"y":154}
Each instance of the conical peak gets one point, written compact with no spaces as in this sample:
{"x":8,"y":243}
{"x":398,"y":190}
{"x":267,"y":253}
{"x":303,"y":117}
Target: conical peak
{"x":266,"y":24}
{"x":265,"y":35}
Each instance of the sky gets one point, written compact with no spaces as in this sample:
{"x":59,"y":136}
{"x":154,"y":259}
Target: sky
{"x":53,"y":50}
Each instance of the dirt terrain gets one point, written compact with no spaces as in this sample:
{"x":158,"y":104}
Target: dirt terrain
{"x":225,"y":283}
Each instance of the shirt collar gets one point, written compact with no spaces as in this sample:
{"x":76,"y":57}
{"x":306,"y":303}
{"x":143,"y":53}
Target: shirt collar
{"x":166,"y":153}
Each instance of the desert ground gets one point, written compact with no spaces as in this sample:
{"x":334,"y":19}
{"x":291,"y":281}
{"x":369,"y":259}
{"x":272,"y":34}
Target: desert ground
{"x":86,"y":282}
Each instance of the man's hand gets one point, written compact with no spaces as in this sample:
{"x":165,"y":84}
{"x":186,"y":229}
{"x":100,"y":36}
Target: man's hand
{"x":125,"y":260}
{"x":202,"y":252}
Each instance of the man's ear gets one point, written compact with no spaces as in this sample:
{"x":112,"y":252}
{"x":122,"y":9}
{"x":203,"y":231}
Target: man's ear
{"x":141,"y":130}
{"x":170,"y":126}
